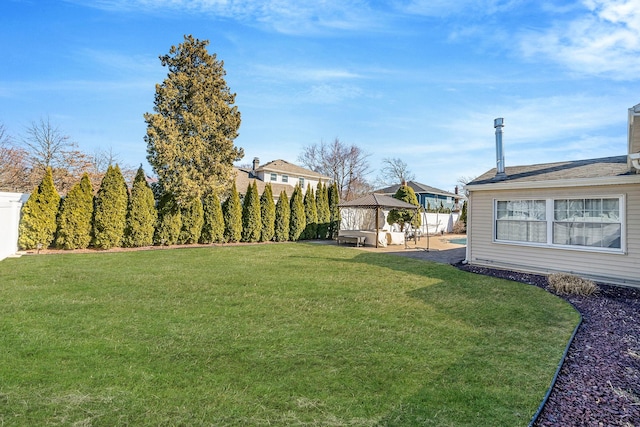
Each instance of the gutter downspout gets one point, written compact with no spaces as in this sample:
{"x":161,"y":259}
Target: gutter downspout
{"x":467,"y":251}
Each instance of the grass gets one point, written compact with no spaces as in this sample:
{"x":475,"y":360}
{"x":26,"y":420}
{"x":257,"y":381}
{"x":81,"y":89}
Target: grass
{"x":285,"y":334}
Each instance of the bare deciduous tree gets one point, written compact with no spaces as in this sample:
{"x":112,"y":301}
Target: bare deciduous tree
{"x":347,"y":165}
{"x":394,"y":171}
{"x":14,"y":172}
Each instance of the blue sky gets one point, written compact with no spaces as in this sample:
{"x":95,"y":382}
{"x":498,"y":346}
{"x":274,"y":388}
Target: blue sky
{"x":420,"y":80}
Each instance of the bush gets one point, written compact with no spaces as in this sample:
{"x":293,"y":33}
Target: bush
{"x":74,"y":219}
{"x":251,"y":215}
{"x":459,"y":227}
{"x":169,"y":221}
{"x":232,"y":213}
{"x":334,"y":211}
{"x":281,"y":223}
{"x":38,"y":216}
{"x":568,"y":284}
{"x":267,"y":214}
{"x":322,"y":204}
{"x":213,"y":228}
{"x":142,"y":214}
{"x":110,"y":211}
{"x":311,"y":215}
{"x":297,"y":218}
{"x":192,"y":214}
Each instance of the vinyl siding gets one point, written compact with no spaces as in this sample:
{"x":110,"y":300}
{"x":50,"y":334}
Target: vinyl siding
{"x":610,"y":267}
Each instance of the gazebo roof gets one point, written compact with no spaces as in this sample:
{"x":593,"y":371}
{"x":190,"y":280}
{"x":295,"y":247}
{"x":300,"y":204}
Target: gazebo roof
{"x":372,"y":201}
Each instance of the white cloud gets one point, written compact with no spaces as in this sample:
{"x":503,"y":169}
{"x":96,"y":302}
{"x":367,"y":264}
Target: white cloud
{"x":304,"y":74}
{"x":284,"y":16}
{"x":604,"y":40}
{"x":331,"y":93}
{"x":440,"y":8}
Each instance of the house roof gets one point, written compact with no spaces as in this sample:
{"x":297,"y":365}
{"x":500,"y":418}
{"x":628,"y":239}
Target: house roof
{"x":284,"y":166}
{"x":606,"y":167}
{"x":244,"y":177}
{"x":418,"y":188}
{"x":377,"y":201}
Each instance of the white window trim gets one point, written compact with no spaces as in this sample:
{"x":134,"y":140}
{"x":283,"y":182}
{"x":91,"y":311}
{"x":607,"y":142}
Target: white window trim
{"x":550,"y":220}
{"x":273,"y":176}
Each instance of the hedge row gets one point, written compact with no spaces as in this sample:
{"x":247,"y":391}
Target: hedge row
{"x":117,"y":217}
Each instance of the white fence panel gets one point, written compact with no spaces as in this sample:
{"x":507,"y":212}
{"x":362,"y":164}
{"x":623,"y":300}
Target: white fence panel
{"x":10,"y":205}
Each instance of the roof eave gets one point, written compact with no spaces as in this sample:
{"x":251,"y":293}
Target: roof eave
{"x":557,"y":183}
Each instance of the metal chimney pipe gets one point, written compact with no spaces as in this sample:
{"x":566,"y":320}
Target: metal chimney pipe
{"x":499,"y":124}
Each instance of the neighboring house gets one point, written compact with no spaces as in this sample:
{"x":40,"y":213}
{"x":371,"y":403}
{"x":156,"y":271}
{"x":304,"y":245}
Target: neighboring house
{"x":429,"y":197}
{"x":580,"y":217}
{"x":282,"y":175}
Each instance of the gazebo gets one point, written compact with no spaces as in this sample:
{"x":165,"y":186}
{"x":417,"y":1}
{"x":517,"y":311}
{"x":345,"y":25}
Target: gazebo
{"x":377,"y":202}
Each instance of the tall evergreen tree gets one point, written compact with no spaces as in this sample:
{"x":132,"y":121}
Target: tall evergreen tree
{"x":38,"y":216}
{"x":403,"y":216}
{"x":311,"y":214}
{"x":76,"y":213}
{"x":298,"y":220}
{"x":251,"y":221}
{"x":267,"y":214}
{"x":213,"y":228}
{"x":169,"y":221}
{"x":283,"y":215}
{"x":334,"y":211}
{"x":142,"y":215}
{"x":191,"y":133}
{"x":110,"y":211}
{"x":192,"y":221}
{"x":232,"y":212}
{"x":322,"y":203}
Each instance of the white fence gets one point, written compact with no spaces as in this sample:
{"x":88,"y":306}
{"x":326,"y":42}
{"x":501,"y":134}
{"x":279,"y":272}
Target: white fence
{"x":365,"y":219}
{"x":10,"y":205}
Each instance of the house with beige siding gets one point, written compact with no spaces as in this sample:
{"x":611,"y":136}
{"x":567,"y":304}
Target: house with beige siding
{"x":282,"y":175}
{"x":580,"y":217}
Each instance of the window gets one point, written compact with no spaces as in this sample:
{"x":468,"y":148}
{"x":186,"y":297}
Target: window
{"x":521,"y":221}
{"x":301,"y":181}
{"x":586,"y":223}
{"x":274,"y":177}
{"x":285,"y":178}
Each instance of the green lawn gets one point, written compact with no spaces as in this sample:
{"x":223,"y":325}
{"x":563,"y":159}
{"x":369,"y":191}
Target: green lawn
{"x":282,"y":334}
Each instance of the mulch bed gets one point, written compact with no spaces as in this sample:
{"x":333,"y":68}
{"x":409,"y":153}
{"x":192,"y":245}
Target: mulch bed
{"x":599,"y":382}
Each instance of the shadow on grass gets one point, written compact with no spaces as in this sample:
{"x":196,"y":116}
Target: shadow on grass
{"x":513,"y":340}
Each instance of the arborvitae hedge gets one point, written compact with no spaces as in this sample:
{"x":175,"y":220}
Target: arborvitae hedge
{"x":297,"y":221}
{"x":38,"y":215}
{"x":267,"y":214}
{"x":232,"y":212}
{"x":169,"y":221}
{"x":281,"y":223}
{"x":334,"y":211}
{"x":311,"y":215}
{"x":192,"y":221}
{"x":76,"y":214}
{"x":322,"y":204}
{"x":110,"y":211}
{"x":142,"y":215}
{"x":251,"y":221}
{"x":213,"y":228}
